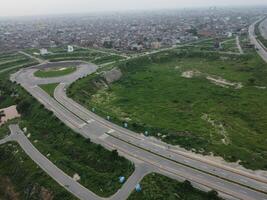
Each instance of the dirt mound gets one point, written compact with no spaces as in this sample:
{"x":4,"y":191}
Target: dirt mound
{"x":224,"y":83}
{"x":113,"y":75}
{"x":191,"y":74}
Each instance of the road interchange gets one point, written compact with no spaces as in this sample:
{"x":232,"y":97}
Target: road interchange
{"x":155,"y":155}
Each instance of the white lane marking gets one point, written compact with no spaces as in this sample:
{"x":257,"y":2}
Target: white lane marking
{"x":90,"y":121}
{"x":82,"y":125}
{"x":242,"y":180}
{"x":104,"y":136}
{"x":111,"y":131}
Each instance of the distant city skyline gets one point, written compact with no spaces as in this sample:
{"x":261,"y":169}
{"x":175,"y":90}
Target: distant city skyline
{"x":47,"y":7}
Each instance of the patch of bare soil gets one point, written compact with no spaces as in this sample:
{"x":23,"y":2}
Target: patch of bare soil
{"x":8,"y":189}
{"x":191,"y":74}
{"x":46,"y":194}
{"x":260,"y":87}
{"x":224,"y":83}
{"x":8,"y":114}
{"x":219,"y":128}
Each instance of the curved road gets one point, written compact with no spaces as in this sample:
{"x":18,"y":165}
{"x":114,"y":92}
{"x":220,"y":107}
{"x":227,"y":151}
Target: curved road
{"x":253,"y":39}
{"x":155,"y":155}
{"x":63,"y":179}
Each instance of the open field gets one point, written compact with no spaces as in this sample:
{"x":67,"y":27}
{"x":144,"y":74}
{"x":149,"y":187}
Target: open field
{"x":230,"y":45}
{"x":227,"y":44}
{"x":206,"y":102}
{"x":155,"y":187}
{"x":54,"y":72}
{"x":20,"y":177}
{"x":90,"y":55}
{"x":98,"y":168}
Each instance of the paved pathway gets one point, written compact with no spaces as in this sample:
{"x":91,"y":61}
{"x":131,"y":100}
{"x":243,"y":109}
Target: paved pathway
{"x":63,"y":179}
{"x":238,"y":45}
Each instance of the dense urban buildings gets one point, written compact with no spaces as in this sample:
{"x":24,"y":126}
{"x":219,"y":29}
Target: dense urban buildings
{"x":134,"y":31}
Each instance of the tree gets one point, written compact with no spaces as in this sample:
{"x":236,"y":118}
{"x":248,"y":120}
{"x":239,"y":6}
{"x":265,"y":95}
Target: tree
{"x":24,"y":107}
{"x":115,"y":154}
{"x":213,"y":195}
{"x":252,"y":81}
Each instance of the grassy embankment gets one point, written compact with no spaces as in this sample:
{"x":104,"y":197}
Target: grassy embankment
{"x":8,"y":63}
{"x":13,"y":61}
{"x":156,"y":187}
{"x":98,"y":168}
{"x":49,"y":88}
{"x":192,"y":112}
{"x":21,"y":178}
{"x":54,"y":72}
{"x":90,"y":55}
{"x":230,"y":46}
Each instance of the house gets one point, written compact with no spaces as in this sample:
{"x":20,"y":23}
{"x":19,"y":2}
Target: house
{"x":43,"y":51}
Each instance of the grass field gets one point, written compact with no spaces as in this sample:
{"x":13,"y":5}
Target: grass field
{"x":8,"y":62}
{"x":49,"y":88}
{"x":98,"y":168}
{"x":21,"y":178}
{"x":90,"y":55}
{"x":157,"y":187}
{"x":54,"y":72}
{"x":196,"y":113}
{"x":230,"y":45}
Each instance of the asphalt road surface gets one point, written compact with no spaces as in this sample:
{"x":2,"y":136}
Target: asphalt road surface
{"x":154,"y":155}
{"x":263,"y":28}
{"x":259,"y":47}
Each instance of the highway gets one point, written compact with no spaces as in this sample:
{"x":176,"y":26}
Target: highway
{"x":155,"y":155}
{"x":260,"y":48}
{"x":263,"y":28}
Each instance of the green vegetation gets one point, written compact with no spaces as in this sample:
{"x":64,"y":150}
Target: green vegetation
{"x":9,"y":62}
{"x":195,"y":113}
{"x":54,"y":72}
{"x":3,"y":131}
{"x":21,"y":178}
{"x":156,"y":187}
{"x":90,"y":55}
{"x":49,"y":88}
{"x":98,"y":168}
{"x":227,"y":45}
{"x":230,"y":45}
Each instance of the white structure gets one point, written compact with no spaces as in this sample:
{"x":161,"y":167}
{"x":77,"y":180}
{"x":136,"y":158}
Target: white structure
{"x":70,"y":49}
{"x":229,"y":34}
{"x":43,"y":51}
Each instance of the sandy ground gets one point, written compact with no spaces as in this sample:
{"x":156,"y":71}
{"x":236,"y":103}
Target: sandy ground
{"x":191,"y":74}
{"x":213,"y":79}
{"x":224,"y":83}
{"x":62,"y":69}
{"x":10,"y":113}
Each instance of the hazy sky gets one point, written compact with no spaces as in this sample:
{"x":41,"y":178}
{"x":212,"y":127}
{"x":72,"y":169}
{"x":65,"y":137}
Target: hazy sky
{"x":40,"y":7}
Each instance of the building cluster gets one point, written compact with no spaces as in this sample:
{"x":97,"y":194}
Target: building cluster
{"x":132,"y":31}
